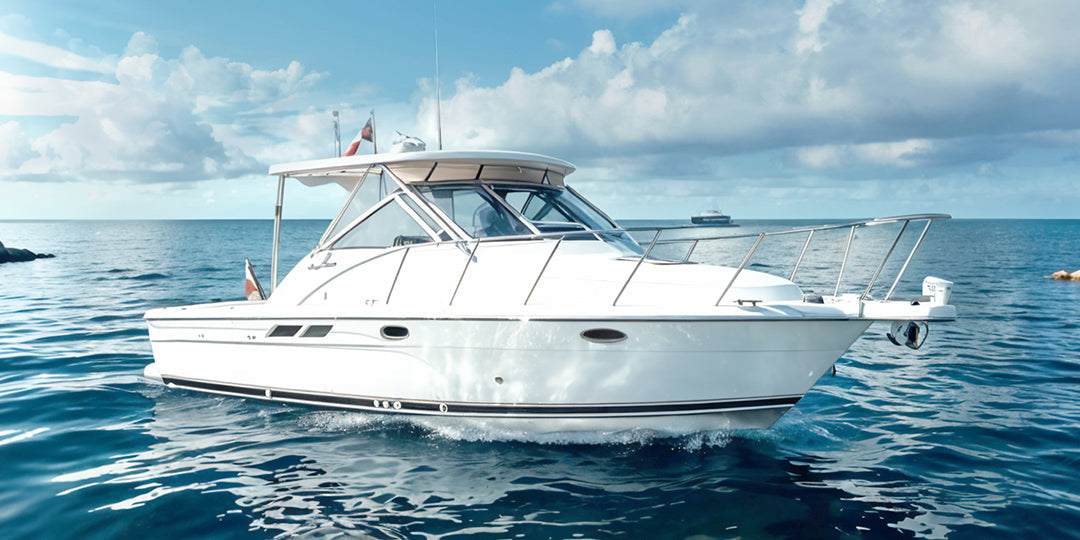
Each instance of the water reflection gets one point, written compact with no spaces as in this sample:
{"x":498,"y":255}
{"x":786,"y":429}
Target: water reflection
{"x":975,"y":430}
{"x":291,"y":470}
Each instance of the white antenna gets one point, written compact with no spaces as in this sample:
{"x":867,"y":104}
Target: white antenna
{"x":438,"y":97}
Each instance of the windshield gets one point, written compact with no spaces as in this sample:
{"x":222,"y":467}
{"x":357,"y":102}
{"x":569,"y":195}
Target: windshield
{"x":549,"y":209}
{"x":475,"y":211}
{"x":552,"y":209}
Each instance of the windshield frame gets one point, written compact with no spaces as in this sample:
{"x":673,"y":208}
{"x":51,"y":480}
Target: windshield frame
{"x":483,"y":189}
{"x":577,"y":206}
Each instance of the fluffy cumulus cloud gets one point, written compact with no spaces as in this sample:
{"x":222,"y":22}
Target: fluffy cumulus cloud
{"x":780,"y":99}
{"x":827,"y":83}
{"x":149,"y":119}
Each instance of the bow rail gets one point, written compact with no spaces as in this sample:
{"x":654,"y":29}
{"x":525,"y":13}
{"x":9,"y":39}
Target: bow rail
{"x":471,"y":246}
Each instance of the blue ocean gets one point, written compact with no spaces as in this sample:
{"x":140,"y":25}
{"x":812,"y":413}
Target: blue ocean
{"x":975,"y":435}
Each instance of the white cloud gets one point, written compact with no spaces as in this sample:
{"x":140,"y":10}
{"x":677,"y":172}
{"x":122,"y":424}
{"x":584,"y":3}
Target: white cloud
{"x":811,"y":17}
{"x":157,"y":122}
{"x":904,"y":154}
{"x":784,"y":96}
{"x":51,"y":56}
{"x":140,"y":44}
{"x":14,"y":147}
{"x":603,"y":43}
{"x":885,"y":83}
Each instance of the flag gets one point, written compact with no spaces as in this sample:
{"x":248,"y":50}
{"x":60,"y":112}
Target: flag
{"x":366,"y":134}
{"x":252,"y":289}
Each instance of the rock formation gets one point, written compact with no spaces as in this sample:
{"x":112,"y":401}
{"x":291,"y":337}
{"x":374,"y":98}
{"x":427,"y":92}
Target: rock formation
{"x":20,"y":255}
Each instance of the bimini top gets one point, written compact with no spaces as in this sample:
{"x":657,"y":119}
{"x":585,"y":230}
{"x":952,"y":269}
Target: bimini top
{"x":433,"y":166}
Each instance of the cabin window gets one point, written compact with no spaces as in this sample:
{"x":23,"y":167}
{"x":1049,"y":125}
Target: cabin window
{"x":474,"y":211}
{"x":388,"y":226}
{"x":367,"y":195}
{"x":440,"y":231}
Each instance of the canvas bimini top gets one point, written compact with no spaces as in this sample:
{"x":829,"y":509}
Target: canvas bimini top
{"x":433,"y":166}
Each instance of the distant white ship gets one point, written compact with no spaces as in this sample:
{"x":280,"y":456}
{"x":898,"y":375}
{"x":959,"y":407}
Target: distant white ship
{"x":712,"y":217}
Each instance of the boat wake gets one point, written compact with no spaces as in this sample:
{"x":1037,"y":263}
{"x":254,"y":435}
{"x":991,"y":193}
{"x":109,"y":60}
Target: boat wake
{"x":478,"y":430}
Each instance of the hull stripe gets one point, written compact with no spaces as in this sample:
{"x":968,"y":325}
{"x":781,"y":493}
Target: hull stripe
{"x":491,"y":409}
{"x":612,"y":319}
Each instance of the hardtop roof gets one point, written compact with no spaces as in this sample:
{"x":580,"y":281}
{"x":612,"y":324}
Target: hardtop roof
{"x":432,"y":166}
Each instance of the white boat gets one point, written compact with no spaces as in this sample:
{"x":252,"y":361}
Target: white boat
{"x":476,"y":286}
{"x":712,"y":217}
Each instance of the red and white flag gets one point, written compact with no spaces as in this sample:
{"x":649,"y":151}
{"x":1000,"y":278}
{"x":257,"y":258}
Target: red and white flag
{"x":252,"y":289}
{"x":366,"y":134}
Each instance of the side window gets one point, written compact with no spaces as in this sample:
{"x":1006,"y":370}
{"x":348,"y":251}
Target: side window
{"x":370,"y":193}
{"x":388,"y":226}
{"x":431,"y":223}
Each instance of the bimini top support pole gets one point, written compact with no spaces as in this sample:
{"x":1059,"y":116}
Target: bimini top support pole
{"x":277,"y":232}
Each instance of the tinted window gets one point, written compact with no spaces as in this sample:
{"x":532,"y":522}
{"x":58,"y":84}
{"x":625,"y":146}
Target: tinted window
{"x":370,"y":192}
{"x":540,"y":204}
{"x":475,"y":212}
{"x":388,"y":226}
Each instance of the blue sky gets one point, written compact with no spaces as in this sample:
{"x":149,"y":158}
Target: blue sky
{"x":798,"y":109}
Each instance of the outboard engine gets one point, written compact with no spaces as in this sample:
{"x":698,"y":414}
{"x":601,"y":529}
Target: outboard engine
{"x":937,"y":290}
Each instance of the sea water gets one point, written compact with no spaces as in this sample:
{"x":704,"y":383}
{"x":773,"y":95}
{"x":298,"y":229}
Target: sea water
{"x":975,"y":435}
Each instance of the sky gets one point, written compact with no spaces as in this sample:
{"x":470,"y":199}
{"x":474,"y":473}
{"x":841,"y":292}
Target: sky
{"x":125,"y":109}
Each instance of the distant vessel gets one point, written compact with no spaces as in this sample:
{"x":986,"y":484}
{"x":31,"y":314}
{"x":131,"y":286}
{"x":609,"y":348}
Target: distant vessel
{"x":712,"y":217}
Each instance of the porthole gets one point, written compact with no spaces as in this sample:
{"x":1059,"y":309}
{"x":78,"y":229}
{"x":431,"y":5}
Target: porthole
{"x":394,"y":332}
{"x":603,"y":335}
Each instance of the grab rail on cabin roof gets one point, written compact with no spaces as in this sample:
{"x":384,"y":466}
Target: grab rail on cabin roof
{"x":657,"y":241}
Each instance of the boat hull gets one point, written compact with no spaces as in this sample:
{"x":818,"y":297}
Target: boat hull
{"x":539,"y":376}
{"x":711,"y":220}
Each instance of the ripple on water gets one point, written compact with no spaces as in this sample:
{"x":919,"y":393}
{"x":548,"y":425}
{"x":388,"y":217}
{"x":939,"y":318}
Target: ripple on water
{"x":975,"y":432}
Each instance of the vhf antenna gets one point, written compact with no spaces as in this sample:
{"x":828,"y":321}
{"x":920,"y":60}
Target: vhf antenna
{"x":438,"y":97}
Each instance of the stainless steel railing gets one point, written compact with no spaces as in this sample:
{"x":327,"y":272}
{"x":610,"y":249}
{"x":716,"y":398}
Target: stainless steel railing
{"x":471,"y":246}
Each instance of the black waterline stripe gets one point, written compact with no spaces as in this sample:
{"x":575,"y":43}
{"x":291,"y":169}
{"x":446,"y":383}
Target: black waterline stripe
{"x":427,"y":407}
{"x":609,"y":320}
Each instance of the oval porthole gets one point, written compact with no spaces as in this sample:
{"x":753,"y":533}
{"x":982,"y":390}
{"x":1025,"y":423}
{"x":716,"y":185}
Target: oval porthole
{"x":394,"y":332}
{"x":603,"y":335}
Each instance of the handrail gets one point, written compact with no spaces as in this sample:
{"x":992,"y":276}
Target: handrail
{"x":472,"y":255}
{"x":843,"y":265}
{"x":656,"y":241}
{"x":542,"y":269}
{"x":884,"y":260}
{"x":903,"y":268}
{"x":638,"y":265}
{"x":802,"y":253}
{"x":745,"y":260}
